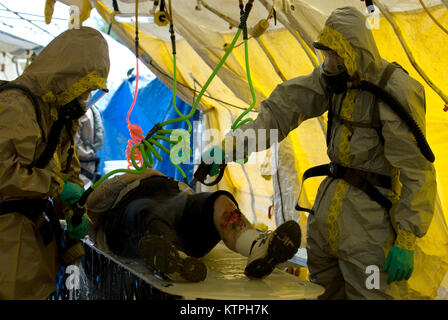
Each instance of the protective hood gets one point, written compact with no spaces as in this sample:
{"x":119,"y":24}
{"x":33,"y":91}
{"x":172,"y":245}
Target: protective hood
{"x":74,"y":62}
{"x":347,"y":32}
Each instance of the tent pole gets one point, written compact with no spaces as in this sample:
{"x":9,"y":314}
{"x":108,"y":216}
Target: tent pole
{"x":260,"y":42}
{"x":271,"y":59}
{"x":229,"y":20}
{"x":295,"y":34}
{"x":432,"y":17}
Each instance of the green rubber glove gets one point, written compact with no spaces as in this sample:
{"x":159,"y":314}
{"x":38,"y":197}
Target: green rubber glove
{"x":80,"y":231}
{"x":71,"y":193}
{"x":399,"y":263}
{"x":210,"y":153}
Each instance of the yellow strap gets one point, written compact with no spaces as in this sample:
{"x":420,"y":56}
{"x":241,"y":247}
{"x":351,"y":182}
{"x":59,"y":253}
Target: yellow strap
{"x":91,"y":81}
{"x":347,"y":111}
{"x":405,"y":240}
{"x":333,"y":215}
{"x":49,"y":9}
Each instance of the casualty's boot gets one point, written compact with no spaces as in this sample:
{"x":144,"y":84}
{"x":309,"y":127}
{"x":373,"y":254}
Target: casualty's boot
{"x":273,"y":248}
{"x":164,"y":258}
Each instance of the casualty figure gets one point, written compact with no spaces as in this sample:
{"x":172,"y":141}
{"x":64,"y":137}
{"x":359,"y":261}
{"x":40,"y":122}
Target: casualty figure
{"x":39,"y":114}
{"x":379,"y":193}
{"x":163,"y":221}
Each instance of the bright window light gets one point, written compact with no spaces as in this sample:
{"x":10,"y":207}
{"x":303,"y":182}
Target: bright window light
{"x":130,"y":18}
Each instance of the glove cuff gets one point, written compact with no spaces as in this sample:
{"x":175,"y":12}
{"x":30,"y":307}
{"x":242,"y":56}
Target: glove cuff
{"x":405,"y":240}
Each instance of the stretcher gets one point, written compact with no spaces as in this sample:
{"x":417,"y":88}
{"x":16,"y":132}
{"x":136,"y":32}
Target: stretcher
{"x":225,"y":279}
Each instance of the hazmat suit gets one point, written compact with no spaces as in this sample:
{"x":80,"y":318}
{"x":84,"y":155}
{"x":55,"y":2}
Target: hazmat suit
{"x":89,"y":140}
{"x":349,"y":234}
{"x":74,"y":63}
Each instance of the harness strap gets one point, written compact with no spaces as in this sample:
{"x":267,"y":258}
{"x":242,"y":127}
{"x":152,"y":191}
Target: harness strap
{"x":387,"y":73}
{"x":351,"y":124}
{"x":364,"y":180}
{"x":30,"y":95}
{"x":34,"y":210}
{"x":375,"y":123}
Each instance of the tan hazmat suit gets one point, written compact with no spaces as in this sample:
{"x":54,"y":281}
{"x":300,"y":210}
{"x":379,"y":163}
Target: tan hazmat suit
{"x":348,"y":231}
{"x":74,"y":62}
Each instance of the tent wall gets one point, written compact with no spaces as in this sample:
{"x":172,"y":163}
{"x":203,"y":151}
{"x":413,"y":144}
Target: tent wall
{"x":281,"y":53}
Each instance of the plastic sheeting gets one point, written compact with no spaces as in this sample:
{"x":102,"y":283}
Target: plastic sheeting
{"x":225,"y":279}
{"x":281,"y":53}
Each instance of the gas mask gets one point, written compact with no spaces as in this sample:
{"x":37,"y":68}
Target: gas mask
{"x":75,"y":108}
{"x":334,"y":72}
{"x":84,"y":99}
{"x":336,"y":83}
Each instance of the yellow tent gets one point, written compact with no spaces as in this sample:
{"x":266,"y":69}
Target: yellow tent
{"x":411,"y":32}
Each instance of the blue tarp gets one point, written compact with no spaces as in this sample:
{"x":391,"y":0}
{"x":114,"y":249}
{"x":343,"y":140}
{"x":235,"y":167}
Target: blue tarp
{"x":154,"y":105}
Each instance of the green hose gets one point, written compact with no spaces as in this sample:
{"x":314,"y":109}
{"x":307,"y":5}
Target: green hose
{"x":238,"y":122}
{"x":147,"y":148}
{"x":207,"y":83}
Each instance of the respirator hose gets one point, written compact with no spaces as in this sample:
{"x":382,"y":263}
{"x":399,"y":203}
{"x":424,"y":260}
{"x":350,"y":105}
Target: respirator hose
{"x":398,"y":108}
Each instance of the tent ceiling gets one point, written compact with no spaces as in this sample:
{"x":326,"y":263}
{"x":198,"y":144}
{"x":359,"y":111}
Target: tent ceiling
{"x":281,"y":55}
{"x":209,"y":20}
{"x":14,"y":45}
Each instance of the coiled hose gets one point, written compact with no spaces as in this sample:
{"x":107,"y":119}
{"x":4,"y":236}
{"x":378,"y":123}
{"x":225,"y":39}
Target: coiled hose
{"x":144,"y":148}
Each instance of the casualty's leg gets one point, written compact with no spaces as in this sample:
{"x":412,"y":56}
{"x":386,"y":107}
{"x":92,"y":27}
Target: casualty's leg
{"x":231,"y":223}
{"x":158,"y":248}
{"x":163,"y":257}
{"x":264,"y":251}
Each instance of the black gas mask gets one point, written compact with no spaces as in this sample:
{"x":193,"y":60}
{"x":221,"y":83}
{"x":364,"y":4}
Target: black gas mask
{"x":334,"y":72}
{"x":71,"y":111}
{"x":336,"y":83}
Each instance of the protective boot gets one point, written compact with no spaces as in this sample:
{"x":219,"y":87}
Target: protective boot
{"x":163,"y":257}
{"x":273,"y":248}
